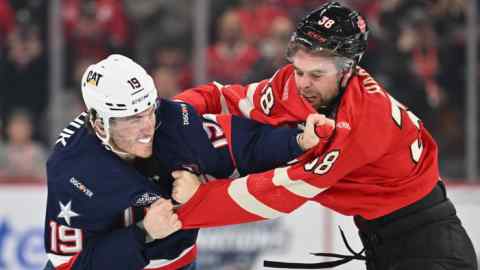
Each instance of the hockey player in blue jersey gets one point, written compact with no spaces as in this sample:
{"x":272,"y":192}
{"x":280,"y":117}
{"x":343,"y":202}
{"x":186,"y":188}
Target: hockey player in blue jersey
{"x":109,"y":182}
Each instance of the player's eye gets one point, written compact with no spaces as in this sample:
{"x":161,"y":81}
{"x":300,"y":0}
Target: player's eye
{"x":135,"y":120}
{"x":298,"y":72}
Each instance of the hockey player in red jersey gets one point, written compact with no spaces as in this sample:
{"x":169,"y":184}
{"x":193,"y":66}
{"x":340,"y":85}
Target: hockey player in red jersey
{"x":379,"y":164}
{"x":109,"y":182}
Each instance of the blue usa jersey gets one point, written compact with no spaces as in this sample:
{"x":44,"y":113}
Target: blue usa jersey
{"x":95,"y":198}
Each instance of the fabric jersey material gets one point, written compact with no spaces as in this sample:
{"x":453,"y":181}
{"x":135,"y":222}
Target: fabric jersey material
{"x":350,"y":171}
{"x":95,"y":198}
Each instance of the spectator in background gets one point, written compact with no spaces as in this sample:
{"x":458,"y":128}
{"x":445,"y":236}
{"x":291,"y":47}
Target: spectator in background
{"x":166,"y":81}
{"x":155,"y":22}
{"x":447,"y":8}
{"x":73,"y":97}
{"x":21,"y":156}
{"x":296,"y":8}
{"x":410,"y":47}
{"x":7,"y":22}
{"x":24,"y":78}
{"x":169,"y":55}
{"x":417,"y":43}
{"x":397,"y":67}
{"x":426,"y":62}
{"x":255,"y":17}
{"x":80,"y":65}
{"x":272,"y":49}
{"x":231,"y":57}
{"x":93,"y":29}
{"x":448,"y":17}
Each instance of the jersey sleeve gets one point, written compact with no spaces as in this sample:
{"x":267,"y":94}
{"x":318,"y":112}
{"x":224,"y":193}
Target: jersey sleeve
{"x":204,"y":98}
{"x":186,"y":141}
{"x":279,"y":191}
{"x":270,"y":101}
{"x":85,"y":226}
{"x":256,"y":147}
{"x":215,"y":98}
{"x":251,"y":198}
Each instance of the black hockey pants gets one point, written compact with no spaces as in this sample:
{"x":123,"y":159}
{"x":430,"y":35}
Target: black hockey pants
{"x":426,"y":235}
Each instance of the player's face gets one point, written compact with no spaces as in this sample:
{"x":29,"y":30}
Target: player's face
{"x":316,"y":77}
{"x":134,"y":134}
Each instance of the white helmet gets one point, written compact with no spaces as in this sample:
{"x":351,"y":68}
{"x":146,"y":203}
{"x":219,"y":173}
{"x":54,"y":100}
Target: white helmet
{"x":117,"y":87}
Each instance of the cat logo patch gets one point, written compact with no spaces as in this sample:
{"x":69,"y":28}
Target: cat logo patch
{"x":93,"y":78}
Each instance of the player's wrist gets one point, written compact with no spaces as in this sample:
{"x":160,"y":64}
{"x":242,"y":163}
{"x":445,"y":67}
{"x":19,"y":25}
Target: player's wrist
{"x":300,"y":142}
{"x":148,"y":237}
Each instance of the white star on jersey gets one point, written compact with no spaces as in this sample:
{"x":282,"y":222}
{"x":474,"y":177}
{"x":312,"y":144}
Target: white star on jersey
{"x":66,"y":212}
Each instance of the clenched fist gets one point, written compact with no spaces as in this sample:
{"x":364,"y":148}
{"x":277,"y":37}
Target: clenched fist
{"x":317,"y":126}
{"x":184,"y":186}
{"x":160,"y":221}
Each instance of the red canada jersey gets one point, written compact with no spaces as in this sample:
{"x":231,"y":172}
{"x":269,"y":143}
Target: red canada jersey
{"x":378,"y":159}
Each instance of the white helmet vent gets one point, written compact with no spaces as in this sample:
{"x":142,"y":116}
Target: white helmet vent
{"x":116,"y":107}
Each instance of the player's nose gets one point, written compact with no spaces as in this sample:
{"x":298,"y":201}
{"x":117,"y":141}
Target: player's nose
{"x":303,"y":82}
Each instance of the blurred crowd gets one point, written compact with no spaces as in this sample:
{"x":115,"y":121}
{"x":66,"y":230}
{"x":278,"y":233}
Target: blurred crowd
{"x":417,"y":51}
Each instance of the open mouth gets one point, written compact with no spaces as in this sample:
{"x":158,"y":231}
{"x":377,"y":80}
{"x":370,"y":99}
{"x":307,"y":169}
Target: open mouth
{"x":309,"y":99}
{"x":145,"y":140}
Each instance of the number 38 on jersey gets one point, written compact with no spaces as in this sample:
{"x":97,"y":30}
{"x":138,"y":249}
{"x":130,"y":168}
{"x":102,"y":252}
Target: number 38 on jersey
{"x":416,"y":147}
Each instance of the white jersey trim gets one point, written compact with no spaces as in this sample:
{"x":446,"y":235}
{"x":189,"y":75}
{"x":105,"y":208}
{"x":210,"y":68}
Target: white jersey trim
{"x":58,"y":260}
{"x":223,"y":102}
{"x":246,"y":104}
{"x":297,"y":187}
{"x":164,"y":262}
{"x":238,"y":191}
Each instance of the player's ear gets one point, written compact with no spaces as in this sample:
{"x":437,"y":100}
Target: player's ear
{"x":99,"y":128}
{"x":346,"y":77}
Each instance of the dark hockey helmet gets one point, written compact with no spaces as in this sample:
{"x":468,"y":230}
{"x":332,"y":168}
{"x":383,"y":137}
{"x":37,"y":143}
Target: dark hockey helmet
{"x":336,"y":28}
